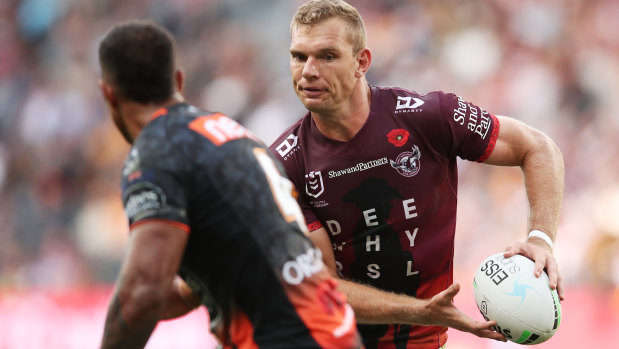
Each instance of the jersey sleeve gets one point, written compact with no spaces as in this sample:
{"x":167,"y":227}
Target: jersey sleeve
{"x":152,"y":188}
{"x":470,"y":131}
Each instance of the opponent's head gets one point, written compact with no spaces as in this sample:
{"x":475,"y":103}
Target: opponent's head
{"x":328,"y":51}
{"x":138,"y":65}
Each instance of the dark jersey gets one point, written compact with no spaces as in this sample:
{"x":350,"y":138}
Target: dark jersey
{"x":248,"y":255}
{"x":388,"y":196}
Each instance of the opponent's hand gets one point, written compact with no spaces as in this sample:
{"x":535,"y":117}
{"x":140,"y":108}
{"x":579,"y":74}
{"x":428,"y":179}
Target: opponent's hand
{"x":538,"y":251}
{"x":186,"y":294}
{"x":442,"y":311}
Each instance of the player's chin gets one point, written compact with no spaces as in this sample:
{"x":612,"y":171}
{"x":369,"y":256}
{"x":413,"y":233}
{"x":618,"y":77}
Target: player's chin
{"x":314,"y":105}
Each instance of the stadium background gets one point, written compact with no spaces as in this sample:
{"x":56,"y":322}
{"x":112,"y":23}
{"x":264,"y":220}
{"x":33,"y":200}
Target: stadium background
{"x":553,"y":64}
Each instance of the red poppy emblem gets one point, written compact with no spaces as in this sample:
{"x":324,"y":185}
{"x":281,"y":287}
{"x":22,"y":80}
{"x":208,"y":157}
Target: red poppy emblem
{"x":398,"y":137}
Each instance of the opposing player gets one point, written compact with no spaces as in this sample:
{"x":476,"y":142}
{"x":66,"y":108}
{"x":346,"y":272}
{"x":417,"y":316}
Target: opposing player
{"x":206,"y":201}
{"x":377,"y":172}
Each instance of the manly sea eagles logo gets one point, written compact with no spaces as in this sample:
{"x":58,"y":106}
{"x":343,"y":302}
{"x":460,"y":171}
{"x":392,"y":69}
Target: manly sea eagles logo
{"x":407,"y":163}
{"x":313,"y":184}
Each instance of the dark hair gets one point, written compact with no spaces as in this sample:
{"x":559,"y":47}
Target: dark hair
{"x":138,"y":59}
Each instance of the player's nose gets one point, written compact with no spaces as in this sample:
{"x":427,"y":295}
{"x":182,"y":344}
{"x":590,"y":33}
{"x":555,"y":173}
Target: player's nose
{"x":310,"y":69}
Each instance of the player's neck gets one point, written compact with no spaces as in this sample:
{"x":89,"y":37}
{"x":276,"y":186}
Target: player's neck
{"x":138,"y":115}
{"x":345,"y":122}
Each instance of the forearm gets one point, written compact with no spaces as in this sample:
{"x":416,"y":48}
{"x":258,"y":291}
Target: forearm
{"x":374,"y":306}
{"x":129,"y":321}
{"x":544,"y":181}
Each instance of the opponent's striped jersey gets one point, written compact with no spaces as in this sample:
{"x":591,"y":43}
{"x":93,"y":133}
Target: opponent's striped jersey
{"x":388,"y":196}
{"x":248,"y":255}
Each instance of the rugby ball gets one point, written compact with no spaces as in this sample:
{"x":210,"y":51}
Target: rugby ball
{"x":524,"y":307}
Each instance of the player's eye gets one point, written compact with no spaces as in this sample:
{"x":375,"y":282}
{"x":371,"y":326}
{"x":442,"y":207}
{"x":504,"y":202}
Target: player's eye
{"x":329,"y":57}
{"x":298,"y":57}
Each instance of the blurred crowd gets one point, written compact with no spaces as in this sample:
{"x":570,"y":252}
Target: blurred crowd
{"x":553,"y":64}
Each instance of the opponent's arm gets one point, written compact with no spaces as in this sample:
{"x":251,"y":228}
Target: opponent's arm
{"x":145,"y":285}
{"x":375,"y":306}
{"x":542,"y":164}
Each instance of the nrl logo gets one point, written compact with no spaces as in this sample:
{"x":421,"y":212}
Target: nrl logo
{"x":313,"y":184}
{"x":407,"y":163}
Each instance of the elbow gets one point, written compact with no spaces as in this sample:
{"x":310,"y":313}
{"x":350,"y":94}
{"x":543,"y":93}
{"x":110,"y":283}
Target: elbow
{"x":545,"y":154}
{"x":142,"y":303}
{"x":554,"y":154}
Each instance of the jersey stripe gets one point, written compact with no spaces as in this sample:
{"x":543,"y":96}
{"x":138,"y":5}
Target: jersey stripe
{"x":176,"y":224}
{"x":159,"y":112}
{"x":493,"y":139}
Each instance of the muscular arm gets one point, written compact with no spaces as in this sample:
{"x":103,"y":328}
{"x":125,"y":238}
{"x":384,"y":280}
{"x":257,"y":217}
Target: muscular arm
{"x":542,"y":165}
{"x":144,"y":290}
{"x":375,"y":306}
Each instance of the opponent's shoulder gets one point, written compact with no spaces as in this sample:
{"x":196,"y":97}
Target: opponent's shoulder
{"x":167,"y":140}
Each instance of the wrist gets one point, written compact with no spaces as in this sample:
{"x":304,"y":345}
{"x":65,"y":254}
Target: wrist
{"x":541,"y":235}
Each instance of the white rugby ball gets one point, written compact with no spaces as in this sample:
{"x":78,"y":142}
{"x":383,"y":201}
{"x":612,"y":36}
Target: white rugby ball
{"x":524,"y":307}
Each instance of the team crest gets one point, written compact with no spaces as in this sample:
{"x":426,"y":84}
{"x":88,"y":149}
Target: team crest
{"x":313,"y":184}
{"x":407,"y":163}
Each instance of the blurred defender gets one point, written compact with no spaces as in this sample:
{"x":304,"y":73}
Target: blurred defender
{"x":207,"y":202}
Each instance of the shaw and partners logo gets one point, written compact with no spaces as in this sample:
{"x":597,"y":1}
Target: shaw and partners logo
{"x":313,"y":184}
{"x":407,"y":163}
{"x":362,"y":166}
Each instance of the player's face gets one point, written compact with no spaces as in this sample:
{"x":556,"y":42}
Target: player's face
{"x":323,"y":65}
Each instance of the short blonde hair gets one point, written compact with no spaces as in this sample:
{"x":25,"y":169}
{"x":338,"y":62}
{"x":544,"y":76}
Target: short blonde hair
{"x":317,"y":11}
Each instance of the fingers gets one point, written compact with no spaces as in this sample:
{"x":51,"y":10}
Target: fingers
{"x":509,"y":251}
{"x":553,"y":273}
{"x":540,"y":263}
{"x":543,"y":259}
{"x":447,"y":314}
{"x":485,"y":329}
{"x":445,"y":298}
{"x":560,"y":289}
{"x":452,"y":290}
{"x":489,"y":332}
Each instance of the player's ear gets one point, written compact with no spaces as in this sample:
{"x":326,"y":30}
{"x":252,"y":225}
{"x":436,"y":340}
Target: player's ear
{"x":364,"y":59}
{"x":179,"y":78}
{"x":108,"y":94}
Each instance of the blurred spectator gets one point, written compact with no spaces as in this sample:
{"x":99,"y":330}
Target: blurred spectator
{"x":553,"y":64}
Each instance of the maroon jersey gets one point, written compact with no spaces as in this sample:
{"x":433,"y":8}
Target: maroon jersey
{"x":388,"y":196}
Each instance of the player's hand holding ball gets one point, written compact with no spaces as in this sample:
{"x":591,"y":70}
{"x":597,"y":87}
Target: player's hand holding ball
{"x":525,"y":308}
